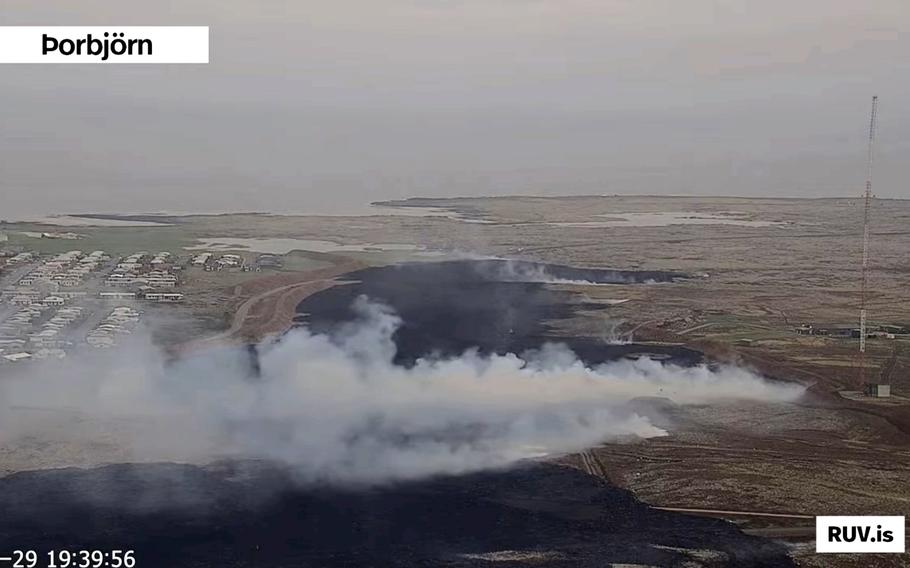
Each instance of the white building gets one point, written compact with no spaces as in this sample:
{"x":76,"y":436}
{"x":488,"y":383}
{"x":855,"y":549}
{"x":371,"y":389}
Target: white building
{"x":117,"y":295}
{"x":164,"y":297}
{"x":17,"y":357}
{"x":45,"y":353}
{"x":201,"y":259}
{"x":99,"y":340}
{"x":21,"y":257}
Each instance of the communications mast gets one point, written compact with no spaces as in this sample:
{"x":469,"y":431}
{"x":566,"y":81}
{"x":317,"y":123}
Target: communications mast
{"x":865,"y":269}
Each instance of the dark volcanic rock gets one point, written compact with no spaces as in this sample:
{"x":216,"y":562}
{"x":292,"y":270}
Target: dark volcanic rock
{"x":252,"y":514}
{"x":449,"y":307}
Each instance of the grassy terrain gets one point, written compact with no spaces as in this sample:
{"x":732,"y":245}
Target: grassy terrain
{"x":115,"y":240}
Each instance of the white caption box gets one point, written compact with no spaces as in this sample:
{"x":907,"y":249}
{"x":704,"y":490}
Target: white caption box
{"x":859,"y":534}
{"x":104,"y":44}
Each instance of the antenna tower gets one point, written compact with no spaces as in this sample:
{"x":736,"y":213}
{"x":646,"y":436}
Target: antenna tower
{"x":865,"y":269}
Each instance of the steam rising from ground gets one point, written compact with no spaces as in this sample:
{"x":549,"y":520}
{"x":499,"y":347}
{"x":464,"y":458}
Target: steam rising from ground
{"x":336,"y":408}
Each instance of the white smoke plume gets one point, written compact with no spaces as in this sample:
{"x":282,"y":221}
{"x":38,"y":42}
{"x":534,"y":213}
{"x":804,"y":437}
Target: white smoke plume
{"x":337,"y":410}
{"x":613,"y":333}
{"x":517,"y":271}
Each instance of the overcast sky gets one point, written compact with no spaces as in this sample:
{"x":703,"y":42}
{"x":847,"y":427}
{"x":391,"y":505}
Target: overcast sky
{"x":323,"y":106}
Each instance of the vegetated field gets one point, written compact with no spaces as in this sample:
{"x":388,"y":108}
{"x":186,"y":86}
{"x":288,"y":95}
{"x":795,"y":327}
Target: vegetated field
{"x":752,"y":283}
{"x":115,"y":240}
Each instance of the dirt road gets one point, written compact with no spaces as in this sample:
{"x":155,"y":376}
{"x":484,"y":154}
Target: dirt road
{"x":271,"y":307}
{"x":721,"y":513}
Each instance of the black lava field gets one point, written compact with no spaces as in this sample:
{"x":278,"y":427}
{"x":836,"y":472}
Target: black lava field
{"x":449,"y":307}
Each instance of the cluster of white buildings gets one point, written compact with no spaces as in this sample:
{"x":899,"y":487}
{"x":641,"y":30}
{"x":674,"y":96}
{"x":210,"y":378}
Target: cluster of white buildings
{"x":134,"y":271}
{"x":201,"y":259}
{"x":49,"y":336}
{"x":22,"y":337}
{"x":65,"y":270}
{"x":47,"y":290}
{"x":229,"y":261}
{"x":163,"y":257}
{"x":55,"y":280}
{"x":15,"y":327}
{"x":21,"y":258}
{"x":208,"y":261}
{"x":118,"y":323}
{"x":163,"y":297}
{"x":127,"y":271}
{"x":22,"y":296}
